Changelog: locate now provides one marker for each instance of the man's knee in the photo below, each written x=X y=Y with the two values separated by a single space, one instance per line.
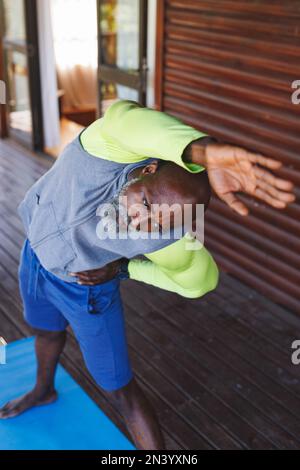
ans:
x=130 y=401
x=123 y=396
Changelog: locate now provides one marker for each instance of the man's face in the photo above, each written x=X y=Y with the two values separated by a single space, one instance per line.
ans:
x=147 y=203
x=148 y=208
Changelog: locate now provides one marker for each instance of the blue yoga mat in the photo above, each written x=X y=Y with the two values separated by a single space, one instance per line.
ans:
x=74 y=421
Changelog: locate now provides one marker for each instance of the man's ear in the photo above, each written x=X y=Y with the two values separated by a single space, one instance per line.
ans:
x=150 y=169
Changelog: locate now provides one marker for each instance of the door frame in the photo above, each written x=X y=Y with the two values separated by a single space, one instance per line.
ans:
x=3 y=107
x=136 y=80
x=31 y=49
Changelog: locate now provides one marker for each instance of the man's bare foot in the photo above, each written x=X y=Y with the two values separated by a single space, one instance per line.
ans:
x=16 y=407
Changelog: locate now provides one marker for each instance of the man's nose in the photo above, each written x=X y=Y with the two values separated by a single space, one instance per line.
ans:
x=135 y=221
x=140 y=221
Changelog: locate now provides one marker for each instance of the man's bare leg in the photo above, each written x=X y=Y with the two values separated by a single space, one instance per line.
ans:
x=139 y=416
x=48 y=347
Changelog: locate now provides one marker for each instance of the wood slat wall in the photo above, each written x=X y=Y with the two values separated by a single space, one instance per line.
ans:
x=227 y=69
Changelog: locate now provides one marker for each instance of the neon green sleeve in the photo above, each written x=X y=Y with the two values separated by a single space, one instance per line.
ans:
x=184 y=267
x=130 y=133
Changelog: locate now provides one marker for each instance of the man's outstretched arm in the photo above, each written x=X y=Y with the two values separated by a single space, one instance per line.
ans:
x=129 y=133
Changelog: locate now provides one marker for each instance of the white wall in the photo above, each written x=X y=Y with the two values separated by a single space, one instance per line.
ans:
x=48 y=75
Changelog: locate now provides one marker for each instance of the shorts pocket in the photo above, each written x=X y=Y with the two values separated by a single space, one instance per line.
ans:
x=102 y=308
x=103 y=296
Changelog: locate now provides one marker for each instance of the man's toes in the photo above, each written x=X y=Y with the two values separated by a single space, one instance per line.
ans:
x=3 y=414
x=10 y=413
x=9 y=408
x=13 y=414
x=5 y=407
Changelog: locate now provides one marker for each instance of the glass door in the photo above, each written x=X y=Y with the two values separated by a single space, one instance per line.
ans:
x=122 y=32
x=21 y=71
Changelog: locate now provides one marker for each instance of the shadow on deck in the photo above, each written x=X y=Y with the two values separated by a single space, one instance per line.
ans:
x=217 y=370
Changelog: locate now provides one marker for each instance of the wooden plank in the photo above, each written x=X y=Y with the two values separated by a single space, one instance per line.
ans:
x=231 y=368
x=164 y=363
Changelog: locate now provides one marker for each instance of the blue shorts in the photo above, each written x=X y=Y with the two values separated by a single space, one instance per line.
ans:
x=95 y=314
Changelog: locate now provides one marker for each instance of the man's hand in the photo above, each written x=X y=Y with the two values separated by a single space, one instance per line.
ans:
x=98 y=276
x=233 y=169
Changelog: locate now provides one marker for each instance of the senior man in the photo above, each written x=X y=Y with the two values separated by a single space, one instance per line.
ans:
x=70 y=276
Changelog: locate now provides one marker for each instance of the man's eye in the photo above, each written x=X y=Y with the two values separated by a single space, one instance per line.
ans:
x=145 y=202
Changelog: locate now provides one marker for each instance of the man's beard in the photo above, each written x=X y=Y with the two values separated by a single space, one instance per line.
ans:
x=117 y=219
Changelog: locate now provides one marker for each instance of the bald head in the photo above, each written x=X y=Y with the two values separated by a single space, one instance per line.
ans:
x=173 y=184
x=165 y=183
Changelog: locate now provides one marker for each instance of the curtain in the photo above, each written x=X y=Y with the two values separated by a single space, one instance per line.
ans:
x=75 y=44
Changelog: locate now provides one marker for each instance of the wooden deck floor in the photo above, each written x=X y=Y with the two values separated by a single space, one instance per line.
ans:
x=218 y=370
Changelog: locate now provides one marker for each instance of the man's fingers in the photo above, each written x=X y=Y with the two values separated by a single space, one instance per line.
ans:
x=89 y=283
x=276 y=193
x=85 y=282
x=264 y=161
x=85 y=273
x=94 y=280
x=273 y=180
x=86 y=277
x=264 y=196
x=235 y=204
x=91 y=276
